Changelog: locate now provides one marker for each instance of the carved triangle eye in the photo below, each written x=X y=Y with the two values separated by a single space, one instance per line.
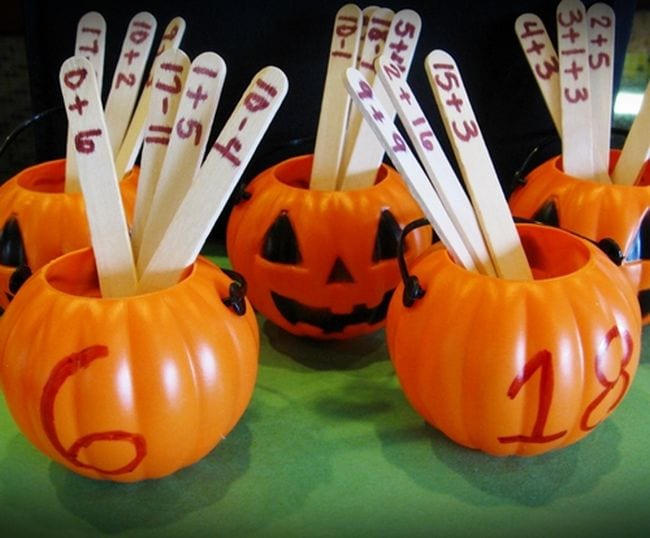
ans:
x=547 y=214
x=387 y=239
x=280 y=242
x=12 y=248
x=639 y=248
x=339 y=273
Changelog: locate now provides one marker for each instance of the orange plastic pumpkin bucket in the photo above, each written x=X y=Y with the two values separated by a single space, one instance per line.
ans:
x=321 y=264
x=596 y=211
x=39 y=221
x=133 y=388
x=517 y=367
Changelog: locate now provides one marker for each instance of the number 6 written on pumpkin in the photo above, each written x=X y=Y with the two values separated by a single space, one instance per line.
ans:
x=66 y=368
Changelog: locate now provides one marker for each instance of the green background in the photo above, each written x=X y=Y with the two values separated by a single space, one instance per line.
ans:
x=330 y=447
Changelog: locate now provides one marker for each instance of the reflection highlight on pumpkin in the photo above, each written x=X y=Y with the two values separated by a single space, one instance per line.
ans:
x=515 y=367
x=596 y=211
x=321 y=264
x=114 y=396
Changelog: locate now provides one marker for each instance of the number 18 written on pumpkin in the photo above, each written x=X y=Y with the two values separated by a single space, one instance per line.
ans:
x=542 y=362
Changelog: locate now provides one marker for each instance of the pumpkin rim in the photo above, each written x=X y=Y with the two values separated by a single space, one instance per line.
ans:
x=587 y=250
x=279 y=176
x=25 y=178
x=45 y=274
x=50 y=174
x=556 y=165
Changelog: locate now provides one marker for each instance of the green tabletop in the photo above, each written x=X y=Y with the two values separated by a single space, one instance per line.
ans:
x=329 y=446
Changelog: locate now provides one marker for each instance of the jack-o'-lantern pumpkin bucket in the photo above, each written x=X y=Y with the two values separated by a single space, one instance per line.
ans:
x=129 y=388
x=39 y=221
x=321 y=264
x=516 y=367
x=594 y=210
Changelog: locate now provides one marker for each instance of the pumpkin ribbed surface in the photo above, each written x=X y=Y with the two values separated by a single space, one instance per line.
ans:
x=131 y=388
x=518 y=367
x=330 y=279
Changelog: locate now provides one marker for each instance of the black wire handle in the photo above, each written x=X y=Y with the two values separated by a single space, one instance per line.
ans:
x=609 y=246
x=412 y=288
x=25 y=124
x=236 y=299
x=519 y=177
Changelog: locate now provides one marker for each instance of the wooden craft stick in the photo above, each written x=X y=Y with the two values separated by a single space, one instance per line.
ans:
x=397 y=149
x=478 y=171
x=128 y=76
x=168 y=80
x=186 y=148
x=130 y=146
x=367 y=153
x=106 y=219
x=334 y=110
x=542 y=59
x=435 y=163
x=183 y=239
x=376 y=22
x=636 y=149
x=577 y=125
x=90 y=44
x=373 y=46
x=366 y=13
x=600 y=33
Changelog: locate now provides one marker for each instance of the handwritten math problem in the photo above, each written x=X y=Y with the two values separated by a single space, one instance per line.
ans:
x=128 y=76
x=542 y=59
x=132 y=141
x=573 y=49
x=213 y=183
x=364 y=153
x=168 y=77
x=106 y=218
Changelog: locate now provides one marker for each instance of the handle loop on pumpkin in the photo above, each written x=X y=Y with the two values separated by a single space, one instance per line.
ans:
x=609 y=246
x=412 y=288
x=25 y=124
x=236 y=299
x=550 y=145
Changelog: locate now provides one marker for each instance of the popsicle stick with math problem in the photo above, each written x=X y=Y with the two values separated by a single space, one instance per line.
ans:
x=636 y=149
x=182 y=240
x=367 y=153
x=128 y=76
x=543 y=61
x=366 y=12
x=188 y=140
x=373 y=45
x=481 y=180
x=377 y=117
x=168 y=80
x=132 y=142
x=90 y=43
x=106 y=218
x=600 y=35
x=333 y=118
x=577 y=125
x=435 y=163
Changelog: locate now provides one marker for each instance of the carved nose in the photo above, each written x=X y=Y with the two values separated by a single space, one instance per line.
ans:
x=339 y=273
x=12 y=249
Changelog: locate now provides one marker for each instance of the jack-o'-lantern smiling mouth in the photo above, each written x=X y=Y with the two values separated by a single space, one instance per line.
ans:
x=329 y=322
